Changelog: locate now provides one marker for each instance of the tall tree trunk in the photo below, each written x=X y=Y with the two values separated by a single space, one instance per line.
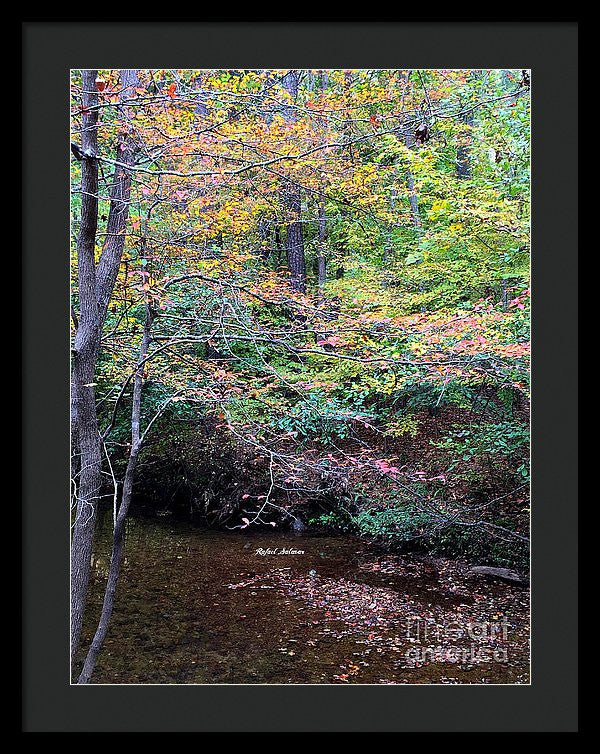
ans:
x=410 y=142
x=95 y=288
x=294 y=240
x=322 y=246
x=295 y=243
x=414 y=210
x=119 y=529
x=85 y=351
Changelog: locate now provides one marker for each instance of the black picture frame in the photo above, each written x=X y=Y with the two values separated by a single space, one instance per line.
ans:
x=51 y=48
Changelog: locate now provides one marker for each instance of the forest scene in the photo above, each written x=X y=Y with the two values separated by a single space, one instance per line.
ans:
x=300 y=370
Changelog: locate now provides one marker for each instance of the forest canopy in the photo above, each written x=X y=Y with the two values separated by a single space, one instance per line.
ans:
x=301 y=298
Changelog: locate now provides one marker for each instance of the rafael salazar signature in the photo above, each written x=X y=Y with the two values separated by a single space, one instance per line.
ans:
x=278 y=551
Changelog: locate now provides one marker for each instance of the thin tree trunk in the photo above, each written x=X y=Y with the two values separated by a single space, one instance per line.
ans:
x=201 y=106
x=463 y=151
x=112 y=251
x=322 y=246
x=321 y=263
x=410 y=141
x=347 y=124
x=389 y=247
x=414 y=201
x=414 y=206
x=119 y=529
x=292 y=200
x=278 y=245
x=322 y=249
x=412 y=192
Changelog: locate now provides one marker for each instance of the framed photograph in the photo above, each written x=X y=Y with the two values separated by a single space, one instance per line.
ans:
x=282 y=432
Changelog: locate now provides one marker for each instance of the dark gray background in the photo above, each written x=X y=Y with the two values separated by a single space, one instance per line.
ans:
x=50 y=50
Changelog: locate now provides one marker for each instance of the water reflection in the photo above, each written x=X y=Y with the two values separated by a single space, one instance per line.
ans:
x=199 y=606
